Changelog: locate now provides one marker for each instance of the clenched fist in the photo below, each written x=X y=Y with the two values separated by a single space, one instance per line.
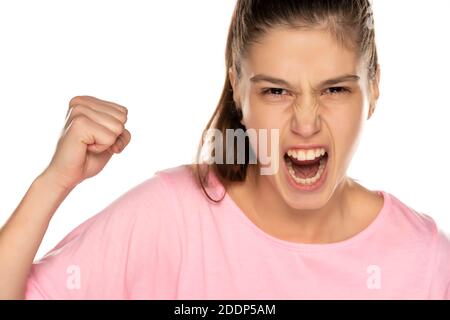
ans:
x=93 y=132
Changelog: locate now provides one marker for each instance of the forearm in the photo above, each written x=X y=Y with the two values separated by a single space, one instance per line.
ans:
x=22 y=234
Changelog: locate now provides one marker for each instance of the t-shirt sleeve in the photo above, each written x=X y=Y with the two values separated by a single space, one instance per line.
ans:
x=440 y=285
x=129 y=250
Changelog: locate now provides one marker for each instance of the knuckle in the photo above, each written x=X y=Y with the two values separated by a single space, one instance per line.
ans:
x=77 y=100
x=121 y=107
x=78 y=108
x=75 y=110
x=123 y=118
x=118 y=127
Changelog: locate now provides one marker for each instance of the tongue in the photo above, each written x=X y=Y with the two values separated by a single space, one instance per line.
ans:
x=305 y=171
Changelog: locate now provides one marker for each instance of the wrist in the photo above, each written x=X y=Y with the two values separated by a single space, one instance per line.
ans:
x=51 y=182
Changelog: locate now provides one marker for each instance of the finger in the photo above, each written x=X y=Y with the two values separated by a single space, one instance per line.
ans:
x=115 y=105
x=122 y=141
x=120 y=116
x=125 y=137
x=89 y=100
x=101 y=118
x=92 y=135
x=100 y=106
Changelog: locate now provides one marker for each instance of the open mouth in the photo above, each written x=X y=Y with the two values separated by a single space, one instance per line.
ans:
x=306 y=167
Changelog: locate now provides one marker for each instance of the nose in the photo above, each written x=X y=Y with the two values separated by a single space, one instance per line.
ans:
x=305 y=118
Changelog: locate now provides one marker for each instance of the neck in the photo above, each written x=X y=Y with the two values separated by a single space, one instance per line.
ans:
x=321 y=225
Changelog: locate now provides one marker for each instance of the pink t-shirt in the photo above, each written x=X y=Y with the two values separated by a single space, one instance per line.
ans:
x=163 y=239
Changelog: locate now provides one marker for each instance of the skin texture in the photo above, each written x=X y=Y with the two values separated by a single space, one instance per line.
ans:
x=306 y=113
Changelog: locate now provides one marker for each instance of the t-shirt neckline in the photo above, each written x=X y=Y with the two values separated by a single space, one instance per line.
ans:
x=374 y=225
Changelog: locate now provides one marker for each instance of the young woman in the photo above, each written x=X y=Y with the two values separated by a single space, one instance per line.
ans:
x=304 y=69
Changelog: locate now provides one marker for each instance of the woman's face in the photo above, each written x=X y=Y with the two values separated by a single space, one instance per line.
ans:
x=322 y=106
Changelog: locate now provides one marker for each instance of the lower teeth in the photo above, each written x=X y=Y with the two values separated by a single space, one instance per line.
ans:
x=307 y=181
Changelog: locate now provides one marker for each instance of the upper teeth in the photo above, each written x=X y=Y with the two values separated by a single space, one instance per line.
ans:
x=306 y=154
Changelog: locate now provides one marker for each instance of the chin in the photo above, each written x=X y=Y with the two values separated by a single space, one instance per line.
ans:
x=305 y=197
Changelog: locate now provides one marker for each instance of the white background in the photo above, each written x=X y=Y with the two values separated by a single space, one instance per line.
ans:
x=164 y=60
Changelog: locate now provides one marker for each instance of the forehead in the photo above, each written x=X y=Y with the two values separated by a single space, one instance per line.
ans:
x=295 y=53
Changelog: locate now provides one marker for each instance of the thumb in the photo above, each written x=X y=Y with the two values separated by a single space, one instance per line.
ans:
x=99 y=148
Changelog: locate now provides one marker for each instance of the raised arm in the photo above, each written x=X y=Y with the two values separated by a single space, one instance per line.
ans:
x=93 y=132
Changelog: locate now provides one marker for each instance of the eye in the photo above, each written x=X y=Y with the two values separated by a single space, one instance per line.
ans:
x=273 y=92
x=337 y=90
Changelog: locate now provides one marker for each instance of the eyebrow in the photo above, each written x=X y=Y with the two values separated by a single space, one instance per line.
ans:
x=328 y=82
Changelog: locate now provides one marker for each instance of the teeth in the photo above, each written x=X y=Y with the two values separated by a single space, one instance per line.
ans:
x=318 y=153
x=310 y=155
x=303 y=155
x=307 y=181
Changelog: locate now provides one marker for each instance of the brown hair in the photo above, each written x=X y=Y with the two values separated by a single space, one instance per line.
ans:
x=350 y=21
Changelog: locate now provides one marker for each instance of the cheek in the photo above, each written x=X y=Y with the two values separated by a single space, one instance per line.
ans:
x=272 y=118
x=345 y=124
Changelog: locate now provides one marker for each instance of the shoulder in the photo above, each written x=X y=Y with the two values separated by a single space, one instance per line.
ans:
x=115 y=242
x=182 y=176
x=410 y=219
x=400 y=219
x=183 y=182
x=158 y=188
x=147 y=202
x=440 y=284
x=423 y=233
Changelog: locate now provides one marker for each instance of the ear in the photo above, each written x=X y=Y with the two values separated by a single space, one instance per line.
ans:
x=374 y=92
x=233 y=81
